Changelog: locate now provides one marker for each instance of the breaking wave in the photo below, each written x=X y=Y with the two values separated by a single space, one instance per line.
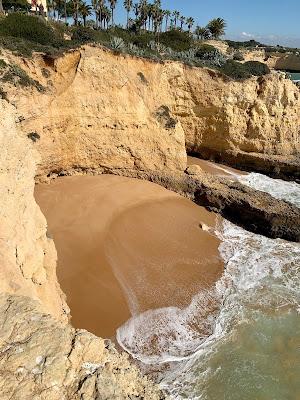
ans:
x=260 y=288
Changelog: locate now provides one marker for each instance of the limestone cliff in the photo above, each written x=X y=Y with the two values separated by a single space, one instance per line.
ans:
x=106 y=111
x=103 y=112
x=27 y=255
x=288 y=62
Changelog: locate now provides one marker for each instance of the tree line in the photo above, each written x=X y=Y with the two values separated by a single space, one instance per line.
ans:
x=140 y=16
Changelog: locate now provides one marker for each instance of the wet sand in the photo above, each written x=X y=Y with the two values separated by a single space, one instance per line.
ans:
x=214 y=168
x=126 y=246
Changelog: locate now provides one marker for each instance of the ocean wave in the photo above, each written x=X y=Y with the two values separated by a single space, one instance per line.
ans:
x=261 y=280
x=283 y=190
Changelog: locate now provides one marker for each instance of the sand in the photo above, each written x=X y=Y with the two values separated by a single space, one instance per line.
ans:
x=215 y=169
x=126 y=246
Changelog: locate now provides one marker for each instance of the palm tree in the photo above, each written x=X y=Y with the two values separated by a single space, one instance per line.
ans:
x=106 y=16
x=143 y=13
x=190 y=22
x=167 y=16
x=182 y=21
x=51 y=6
x=75 y=5
x=176 y=15
x=202 y=33
x=217 y=27
x=150 y=15
x=128 y=7
x=136 y=10
x=157 y=16
x=85 y=10
x=112 y=8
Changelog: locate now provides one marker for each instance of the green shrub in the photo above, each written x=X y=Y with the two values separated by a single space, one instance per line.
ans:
x=177 y=40
x=2 y=64
x=250 y=43
x=143 y=39
x=237 y=70
x=204 y=49
x=18 y=5
x=34 y=136
x=82 y=34
x=3 y=94
x=257 y=68
x=27 y=27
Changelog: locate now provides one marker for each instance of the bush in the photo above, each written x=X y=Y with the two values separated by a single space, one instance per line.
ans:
x=211 y=56
x=117 y=43
x=2 y=64
x=27 y=27
x=257 y=68
x=205 y=49
x=18 y=5
x=142 y=39
x=250 y=43
x=176 y=40
x=82 y=34
x=237 y=70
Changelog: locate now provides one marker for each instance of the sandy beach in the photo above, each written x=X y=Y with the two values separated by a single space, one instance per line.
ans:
x=126 y=246
x=214 y=168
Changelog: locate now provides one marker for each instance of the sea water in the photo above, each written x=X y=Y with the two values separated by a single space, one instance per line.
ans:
x=295 y=76
x=241 y=339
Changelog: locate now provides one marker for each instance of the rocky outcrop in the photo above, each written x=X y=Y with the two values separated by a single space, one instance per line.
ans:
x=255 y=211
x=275 y=60
x=224 y=122
x=43 y=359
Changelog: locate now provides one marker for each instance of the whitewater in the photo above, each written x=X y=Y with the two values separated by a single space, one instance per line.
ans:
x=240 y=339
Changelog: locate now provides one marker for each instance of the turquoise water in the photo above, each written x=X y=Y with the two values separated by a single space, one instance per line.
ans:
x=295 y=76
x=259 y=360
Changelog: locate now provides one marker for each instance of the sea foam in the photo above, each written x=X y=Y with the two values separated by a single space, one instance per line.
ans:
x=261 y=275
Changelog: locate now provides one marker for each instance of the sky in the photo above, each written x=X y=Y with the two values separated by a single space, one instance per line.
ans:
x=267 y=21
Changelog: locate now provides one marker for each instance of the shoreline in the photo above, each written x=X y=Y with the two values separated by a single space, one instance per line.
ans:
x=135 y=221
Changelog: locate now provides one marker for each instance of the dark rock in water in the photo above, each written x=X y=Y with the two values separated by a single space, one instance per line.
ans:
x=255 y=211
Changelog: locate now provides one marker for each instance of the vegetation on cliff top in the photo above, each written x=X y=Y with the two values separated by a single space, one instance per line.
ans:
x=153 y=33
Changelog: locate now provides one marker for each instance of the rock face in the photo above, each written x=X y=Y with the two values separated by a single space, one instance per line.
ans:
x=101 y=114
x=111 y=113
x=27 y=256
x=102 y=111
x=44 y=359
x=288 y=62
